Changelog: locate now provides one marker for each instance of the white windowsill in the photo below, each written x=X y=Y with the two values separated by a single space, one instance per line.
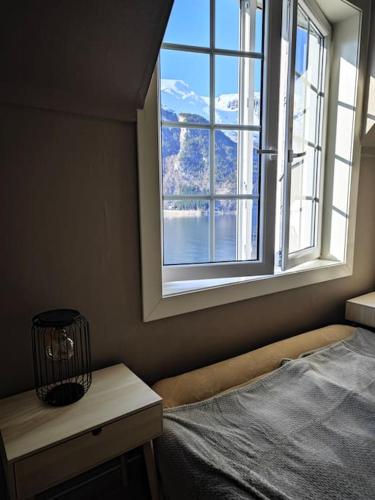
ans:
x=189 y=296
x=191 y=286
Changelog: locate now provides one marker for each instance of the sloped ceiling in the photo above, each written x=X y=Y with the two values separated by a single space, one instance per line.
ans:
x=93 y=57
x=369 y=139
x=336 y=10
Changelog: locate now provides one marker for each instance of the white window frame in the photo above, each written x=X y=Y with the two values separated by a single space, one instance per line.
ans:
x=267 y=162
x=311 y=9
x=167 y=299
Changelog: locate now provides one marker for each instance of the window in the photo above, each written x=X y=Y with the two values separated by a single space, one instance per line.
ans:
x=216 y=209
x=304 y=61
x=241 y=150
x=211 y=100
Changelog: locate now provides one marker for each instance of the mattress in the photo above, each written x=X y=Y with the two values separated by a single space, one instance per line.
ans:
x=304 y=431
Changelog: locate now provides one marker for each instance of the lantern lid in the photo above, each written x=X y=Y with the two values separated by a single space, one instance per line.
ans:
x=57 y=318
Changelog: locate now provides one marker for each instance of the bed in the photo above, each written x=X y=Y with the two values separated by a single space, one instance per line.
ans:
x=292 y=420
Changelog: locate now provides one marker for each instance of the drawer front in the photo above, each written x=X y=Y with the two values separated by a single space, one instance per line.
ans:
x=54 y=465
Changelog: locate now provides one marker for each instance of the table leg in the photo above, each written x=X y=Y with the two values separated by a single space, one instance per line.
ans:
x=148 y=453
x=124 y=471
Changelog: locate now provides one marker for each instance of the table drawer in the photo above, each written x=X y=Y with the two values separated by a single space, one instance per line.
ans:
x=59 y=463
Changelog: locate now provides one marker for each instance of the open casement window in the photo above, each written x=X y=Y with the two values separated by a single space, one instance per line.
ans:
x=236 y=141
x=218 y=109
x=218 y=125
x=306 y=36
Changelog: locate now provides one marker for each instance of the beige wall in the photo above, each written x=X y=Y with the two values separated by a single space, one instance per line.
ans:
x=70 y=238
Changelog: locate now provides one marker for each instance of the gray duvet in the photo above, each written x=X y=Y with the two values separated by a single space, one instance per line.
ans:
x=306 y=431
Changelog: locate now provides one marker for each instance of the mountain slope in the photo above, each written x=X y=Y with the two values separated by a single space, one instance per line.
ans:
x=185 y=150
x=185 y=160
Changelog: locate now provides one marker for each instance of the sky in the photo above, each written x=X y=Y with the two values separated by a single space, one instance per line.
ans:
x=190 y=24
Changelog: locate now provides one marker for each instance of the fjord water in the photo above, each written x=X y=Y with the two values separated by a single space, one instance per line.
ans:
x=186 y=239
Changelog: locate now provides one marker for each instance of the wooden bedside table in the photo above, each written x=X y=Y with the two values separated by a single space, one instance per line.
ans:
x=43 y=446
x=361 y=310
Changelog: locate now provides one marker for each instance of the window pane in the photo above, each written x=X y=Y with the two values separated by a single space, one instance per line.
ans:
x=295 y=208
x=186 y=231
x=299 y=115
x=228 y=20
x=300 y=87
x=301 y=43
x=301 y=226
x=299 y=122
x=236 y=230
x=314 y=57
x=225 y=230
x=259 y=28
x=308 y=173
x=184 y=85
x=234 y=103
x=236 y=162
x=189 y=23
x=185 y=160
x=306 y=87
x=227 y=29
x=301 y=231
x=312 y=116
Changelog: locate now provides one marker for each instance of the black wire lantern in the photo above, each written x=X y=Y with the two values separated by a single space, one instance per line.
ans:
x=62 y=357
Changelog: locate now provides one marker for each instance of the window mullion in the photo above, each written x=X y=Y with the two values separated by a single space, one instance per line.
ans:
x=212 y=203
x=211 y=50
x=246 y=112
x=207 y=196
x=212 y=132
x=219 y=126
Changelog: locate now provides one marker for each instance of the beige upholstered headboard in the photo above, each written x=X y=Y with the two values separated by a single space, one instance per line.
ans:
x=210 y=380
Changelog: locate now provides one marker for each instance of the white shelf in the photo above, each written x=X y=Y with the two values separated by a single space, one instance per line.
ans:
x=362 y=309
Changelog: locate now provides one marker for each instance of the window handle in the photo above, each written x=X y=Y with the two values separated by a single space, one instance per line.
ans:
x=292 y=156
x=271 y=152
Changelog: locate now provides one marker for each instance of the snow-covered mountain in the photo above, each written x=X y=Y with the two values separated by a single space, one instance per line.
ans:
x=185 y=161
x=177 y=95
